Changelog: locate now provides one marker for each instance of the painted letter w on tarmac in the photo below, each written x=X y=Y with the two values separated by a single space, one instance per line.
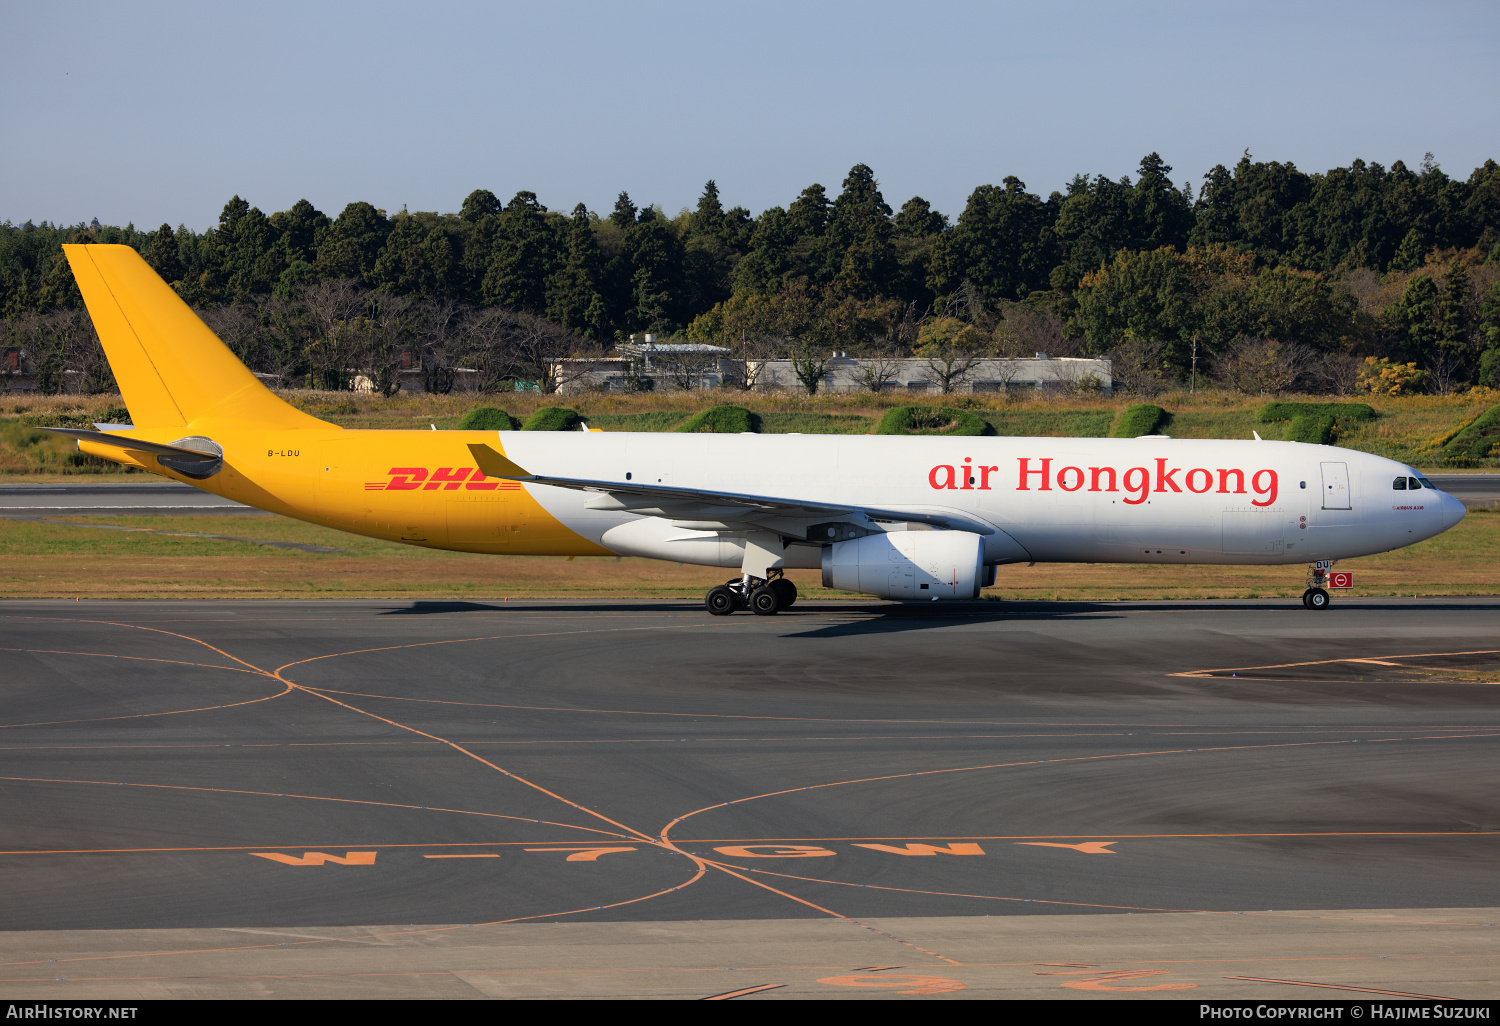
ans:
x=957 y=848
x=317 y=858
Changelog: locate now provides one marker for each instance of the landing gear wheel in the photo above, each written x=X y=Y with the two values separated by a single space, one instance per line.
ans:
x=1307 y=599
x=720 y=601
x=764 y=601
x=786 y=592
x=1317 y=598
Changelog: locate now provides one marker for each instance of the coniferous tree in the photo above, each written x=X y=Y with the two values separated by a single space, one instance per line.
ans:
x=574 y=298
x=624 y=212
x=161 y=254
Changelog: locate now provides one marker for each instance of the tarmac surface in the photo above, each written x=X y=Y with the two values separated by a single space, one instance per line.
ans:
x=111 y=498
x=1200 y=800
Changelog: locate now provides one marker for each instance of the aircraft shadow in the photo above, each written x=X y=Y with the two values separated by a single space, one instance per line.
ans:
x=884 y=618
x=430 y=607
x=895 y=618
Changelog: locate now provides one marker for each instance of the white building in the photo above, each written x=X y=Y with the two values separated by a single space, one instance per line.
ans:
x=703 y=366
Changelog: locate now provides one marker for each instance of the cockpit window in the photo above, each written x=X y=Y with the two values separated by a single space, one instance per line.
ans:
x=1426 y=483
x=1399 y=484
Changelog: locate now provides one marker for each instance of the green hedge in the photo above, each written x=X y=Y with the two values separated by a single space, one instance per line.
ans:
x=1291 y=411
x=1141 y=419
x=1314 y=428
x=488 y=418
x=723 y=420
x=1478 y=440
x=552 y=418
x=931 y=420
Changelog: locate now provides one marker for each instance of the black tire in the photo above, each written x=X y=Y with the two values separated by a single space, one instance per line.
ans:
x=720 y=601
x=764 y=601
x=786 y=592
x=1307 y=599
x=1317 y=599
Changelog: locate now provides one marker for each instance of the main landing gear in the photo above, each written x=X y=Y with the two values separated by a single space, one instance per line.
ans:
x=762 y=597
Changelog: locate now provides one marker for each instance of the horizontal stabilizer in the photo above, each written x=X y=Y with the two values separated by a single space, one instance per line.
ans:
x=194 y=457
x=126 y=442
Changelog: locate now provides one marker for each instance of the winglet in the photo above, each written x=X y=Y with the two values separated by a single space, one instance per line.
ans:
x=495 y=465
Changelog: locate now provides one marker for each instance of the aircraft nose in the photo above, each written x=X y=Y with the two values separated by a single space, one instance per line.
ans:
x=1454 y=510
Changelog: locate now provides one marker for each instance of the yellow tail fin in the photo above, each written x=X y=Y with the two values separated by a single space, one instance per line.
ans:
x=172 y=370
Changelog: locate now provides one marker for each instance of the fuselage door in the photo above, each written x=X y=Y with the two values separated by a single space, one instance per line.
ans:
x=1336 y=486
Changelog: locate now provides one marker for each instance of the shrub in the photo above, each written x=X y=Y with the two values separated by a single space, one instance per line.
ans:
x=931 y=420
x=1291 y=411
x=723 y=420
x=1489 y=368
x=1387 y=376
x=1476 y=441
x=552 y=418
x=1141 y=419
x=488 y=418
x=1314 y=428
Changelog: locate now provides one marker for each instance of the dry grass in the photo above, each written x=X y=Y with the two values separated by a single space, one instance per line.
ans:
x=42 y=560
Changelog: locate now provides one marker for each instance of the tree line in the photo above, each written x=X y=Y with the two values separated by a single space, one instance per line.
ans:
x=1269 y=278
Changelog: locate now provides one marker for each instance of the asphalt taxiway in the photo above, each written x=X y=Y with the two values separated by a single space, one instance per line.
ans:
x=1215 y=799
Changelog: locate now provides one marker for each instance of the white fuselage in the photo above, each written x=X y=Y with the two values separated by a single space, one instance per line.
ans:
x=1143 y=500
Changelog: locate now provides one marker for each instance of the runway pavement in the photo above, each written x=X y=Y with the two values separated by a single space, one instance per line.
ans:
x=626 y=799
x=111 y=498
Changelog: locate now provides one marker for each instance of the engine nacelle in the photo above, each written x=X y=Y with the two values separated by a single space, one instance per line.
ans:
x=908 y=565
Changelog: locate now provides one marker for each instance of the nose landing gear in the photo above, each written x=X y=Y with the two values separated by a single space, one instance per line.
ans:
x=1316 y=595
x=760 y=596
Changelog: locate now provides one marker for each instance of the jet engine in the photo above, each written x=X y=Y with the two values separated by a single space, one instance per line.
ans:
x=908 y=565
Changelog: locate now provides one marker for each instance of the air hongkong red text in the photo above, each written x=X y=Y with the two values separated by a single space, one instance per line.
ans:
x=1137 y=483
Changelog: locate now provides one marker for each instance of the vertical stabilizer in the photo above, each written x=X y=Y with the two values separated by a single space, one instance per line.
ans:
x=172 y=370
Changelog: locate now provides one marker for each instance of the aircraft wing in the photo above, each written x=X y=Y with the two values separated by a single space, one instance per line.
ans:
x=701 y=504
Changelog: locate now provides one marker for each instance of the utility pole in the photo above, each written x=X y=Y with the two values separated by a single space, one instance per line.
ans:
x=1193 y=388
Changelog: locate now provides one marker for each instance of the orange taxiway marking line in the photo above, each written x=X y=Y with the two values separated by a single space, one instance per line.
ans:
x=701 y=863
x=677 y=970
x=700 y=867
x=308 y=797
x=584 y=845
x=137 y=659
x=1057 y=761
x=642 y=740
x=374 y=936
x=742 y=992
x=1338 y=986
x=1325 y=662
x=1126 y=908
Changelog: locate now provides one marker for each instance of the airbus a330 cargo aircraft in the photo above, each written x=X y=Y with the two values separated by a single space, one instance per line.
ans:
x=913 y=518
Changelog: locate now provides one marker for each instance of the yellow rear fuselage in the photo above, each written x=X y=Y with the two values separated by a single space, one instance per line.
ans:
x=415 y=487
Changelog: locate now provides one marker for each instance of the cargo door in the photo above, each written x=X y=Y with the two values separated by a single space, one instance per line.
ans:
x=1254 y=532
x=482 y=520
x=1336 y=486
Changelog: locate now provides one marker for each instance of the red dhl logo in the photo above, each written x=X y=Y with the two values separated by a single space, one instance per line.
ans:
x=1136 y=481
x=449 y=479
